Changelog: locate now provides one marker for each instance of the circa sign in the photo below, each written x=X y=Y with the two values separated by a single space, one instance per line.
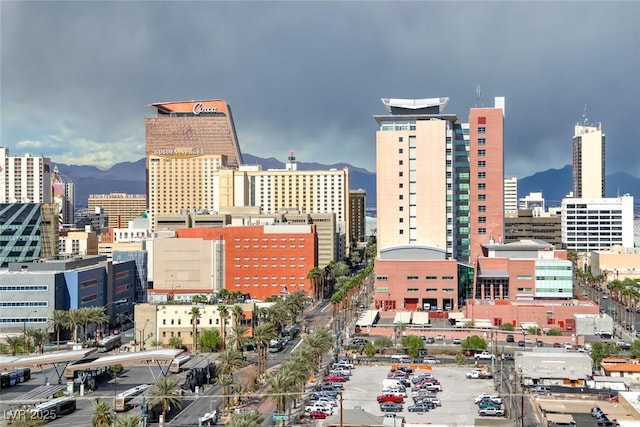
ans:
x=199 y=108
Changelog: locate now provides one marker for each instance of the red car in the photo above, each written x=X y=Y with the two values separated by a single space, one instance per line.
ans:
x=390 y=398
x=317 y=415
x=334 y=379
x=398 y=375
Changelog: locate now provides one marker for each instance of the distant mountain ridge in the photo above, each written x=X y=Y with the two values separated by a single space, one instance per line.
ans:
x=129 y=177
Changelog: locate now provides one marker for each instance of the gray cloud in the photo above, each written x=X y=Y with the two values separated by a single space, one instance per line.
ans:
x=76 y=77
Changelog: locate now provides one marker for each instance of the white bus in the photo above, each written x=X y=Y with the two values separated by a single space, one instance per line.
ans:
x=122 y=401
x=177 y=364
x=109 y=343
x=54 y=408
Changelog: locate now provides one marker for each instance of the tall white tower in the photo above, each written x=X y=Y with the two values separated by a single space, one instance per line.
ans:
x=25 y=179
x=588 y=161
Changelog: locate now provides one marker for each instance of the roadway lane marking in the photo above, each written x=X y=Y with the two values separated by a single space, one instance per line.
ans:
x=296 y=346
x=325 y=307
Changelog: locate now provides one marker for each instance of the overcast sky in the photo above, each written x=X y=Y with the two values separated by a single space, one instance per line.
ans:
x=76 y=77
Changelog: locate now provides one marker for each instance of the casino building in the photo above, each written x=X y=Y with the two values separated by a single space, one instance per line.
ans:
x=185 y=142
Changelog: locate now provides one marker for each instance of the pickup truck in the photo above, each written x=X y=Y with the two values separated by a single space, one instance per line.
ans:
x=485 y=355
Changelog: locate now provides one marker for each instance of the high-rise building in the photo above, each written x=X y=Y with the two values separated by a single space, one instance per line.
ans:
x=25 y=179
x=439 y=181
x=357 y=205
x=511 y=196
x=119 y=207
x=588 y=161
x=29 y=231
x=598 y=223
x=185 y=143
x=63 y=197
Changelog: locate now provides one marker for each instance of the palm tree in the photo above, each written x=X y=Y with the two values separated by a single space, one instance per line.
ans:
x=14 y=343
x=246 y=419
x=230 y=360
x=319 y=342
x=129 y=421
x=314 y=275
x=237 y=339
x=166 y=392
x=238 y=314
x=59 y=321
x=262 y=335
x=280 y=387
x=73 y=320
x=223 y=312
x=225 y=381
x=102 y=415
x=39 y=338
x=195 y=315
x=98 y=317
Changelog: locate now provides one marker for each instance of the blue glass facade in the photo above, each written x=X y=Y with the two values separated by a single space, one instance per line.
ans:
x=19 y=232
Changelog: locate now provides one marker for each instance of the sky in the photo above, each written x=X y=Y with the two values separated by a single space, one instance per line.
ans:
x=77 y=77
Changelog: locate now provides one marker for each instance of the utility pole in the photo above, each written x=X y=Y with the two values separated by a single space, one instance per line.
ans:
x=341 y=408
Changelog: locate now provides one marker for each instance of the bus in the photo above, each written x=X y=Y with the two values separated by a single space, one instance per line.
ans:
x=177 y=364
x=109 y=343
x=122 y=401
x=14 y=376
x=54 y=408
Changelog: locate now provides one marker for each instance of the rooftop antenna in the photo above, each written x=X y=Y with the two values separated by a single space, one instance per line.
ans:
x=585 y=121
x=479 y=96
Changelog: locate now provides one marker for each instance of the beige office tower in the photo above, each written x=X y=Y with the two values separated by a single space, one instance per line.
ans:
x=119 y=207
x=588 y=161
x=181 y=183
x=511 y=196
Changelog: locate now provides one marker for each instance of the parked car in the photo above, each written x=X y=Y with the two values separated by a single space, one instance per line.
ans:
x=489 y=404
x=431 y=361
x=391 y=407
x=479 y=398
x=419 y=407
x=429 y=340
x=457 y=341
x=557 y=345
x=521 y=343
x=334 y=379
x=493 y=399
x=511 y=338
x=318 y=415
x=390 y=398
x=508 y=356
x=330 y=386
x=327 y=409
x=434 y=400
x=485 y=355
x=541 y=389
x=491 y=412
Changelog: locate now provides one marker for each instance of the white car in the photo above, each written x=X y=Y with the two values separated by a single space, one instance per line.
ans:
x=491 y=412
x=431 y=361
x=319 y=407
x=480 y=397
x=332 y=402
x=343 y=365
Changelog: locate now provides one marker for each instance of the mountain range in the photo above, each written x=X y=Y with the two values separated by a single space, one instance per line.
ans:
x=129 y=177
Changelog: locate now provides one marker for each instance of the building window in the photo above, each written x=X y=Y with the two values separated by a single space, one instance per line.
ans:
x=432 y=277
x=482 y=130
x=400 y=162
x=482 y=219
x=482 y=141
x=482 y=197
x=482 y=175
x=482 y=230
x=400 y=150
x=412 y=277
x=401 y=232
x=401 y=197
x=412 y=290
x=382 y=278
x=447 y=277
x=482 y=186
x=400 y=139
x=482 y=208
x=401 y=185
x=482 y=153
x=400 y=173
x=482 y=163
x=401 y=220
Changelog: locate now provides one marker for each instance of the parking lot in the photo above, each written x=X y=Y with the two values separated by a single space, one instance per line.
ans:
x=457 y=394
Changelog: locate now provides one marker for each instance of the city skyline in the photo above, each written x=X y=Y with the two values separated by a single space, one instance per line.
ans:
x=76 y=87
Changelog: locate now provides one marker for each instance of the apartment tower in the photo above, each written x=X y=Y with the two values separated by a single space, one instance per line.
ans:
x=588 y=161
x=25 y=179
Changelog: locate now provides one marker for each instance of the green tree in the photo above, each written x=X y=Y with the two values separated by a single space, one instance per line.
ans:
x=58 y=321
x=225 y=381
x=506 y=327
x=102 y=415
x=166 y=392
x=237 y=338
x=200 y=299
x=195 y=315
x=474 y=343
x=14 y=343
x=175 y=342
x=459 y=358
x=262 y=335
x=383 y=342
x=209 y=340
x=413 y=344
x=315 y=275
x=157 y=344
x=635 y=349
x=223 y=313
x=39 y=337
x=533 y=330
x=280 y=386
x=73 y=320
x=554 y=332
x=129 y=421
x=600 y=350
x=229 y=361
x=246 y=419
x=369 y=349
